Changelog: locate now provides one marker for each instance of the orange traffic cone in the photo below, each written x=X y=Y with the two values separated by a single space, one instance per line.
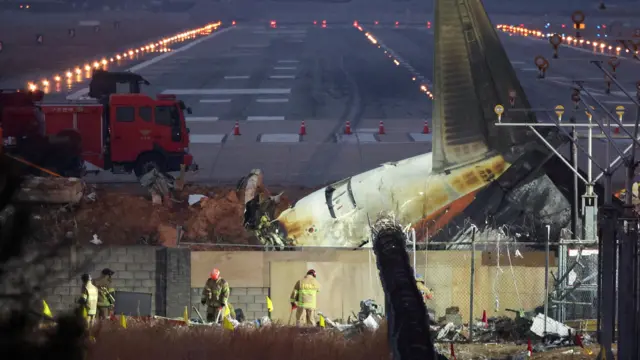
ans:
x=484 y=319
x=381 y=128
x=425 y=128
x=347 y=128
x=236 y=129
x=529 y=348
x=452 y=351
x=303 y=129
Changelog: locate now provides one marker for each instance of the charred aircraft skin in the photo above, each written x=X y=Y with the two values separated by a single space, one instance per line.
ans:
x=338 y=214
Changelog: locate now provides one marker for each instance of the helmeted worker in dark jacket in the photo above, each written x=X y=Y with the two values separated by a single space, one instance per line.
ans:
x=303 y=299
x=88 y=300
x=106 y=294
x=215 y=295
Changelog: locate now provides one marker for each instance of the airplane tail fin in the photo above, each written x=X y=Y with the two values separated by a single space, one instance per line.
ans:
x=473 y=74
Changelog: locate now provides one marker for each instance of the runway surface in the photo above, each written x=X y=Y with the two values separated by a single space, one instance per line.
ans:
x=269 y=80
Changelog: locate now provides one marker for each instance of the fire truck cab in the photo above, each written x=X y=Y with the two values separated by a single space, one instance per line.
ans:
x=120 y=132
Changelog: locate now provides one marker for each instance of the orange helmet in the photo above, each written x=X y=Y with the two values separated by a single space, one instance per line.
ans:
x=215 y=274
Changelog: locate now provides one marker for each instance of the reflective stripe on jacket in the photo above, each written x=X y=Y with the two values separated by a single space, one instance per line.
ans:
x=216 y=293
x=106 y=292
x=90 y=295
x=305 y=292
x=427 y=294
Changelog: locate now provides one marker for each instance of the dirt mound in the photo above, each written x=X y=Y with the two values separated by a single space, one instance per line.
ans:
x=126 y=216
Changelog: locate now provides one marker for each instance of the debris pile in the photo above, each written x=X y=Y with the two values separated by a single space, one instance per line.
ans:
x=368 y=319
x=525 y=327
x=157 y=214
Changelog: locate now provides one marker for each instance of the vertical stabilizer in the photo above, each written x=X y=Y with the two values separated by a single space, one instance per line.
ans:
x=472 y=74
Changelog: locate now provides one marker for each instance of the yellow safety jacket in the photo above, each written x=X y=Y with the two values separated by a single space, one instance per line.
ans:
x=305 y=292
x=427 y=294
x=106 y=292
x=90 y=295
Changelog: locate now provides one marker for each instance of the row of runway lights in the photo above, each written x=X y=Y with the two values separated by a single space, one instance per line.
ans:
x=569 y=40
x=70 y=75
x=346 y=131
x=396 y=60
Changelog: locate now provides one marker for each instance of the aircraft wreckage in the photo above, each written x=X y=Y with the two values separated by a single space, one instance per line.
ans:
x=477 y=172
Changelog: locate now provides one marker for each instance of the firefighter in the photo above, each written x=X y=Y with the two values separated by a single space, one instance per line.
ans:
x=106 y=294
x=427 y=293
x=303 y=299
x=215 y=295
x=88 y=300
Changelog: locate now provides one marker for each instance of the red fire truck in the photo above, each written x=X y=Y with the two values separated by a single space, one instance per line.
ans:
x=119 y=132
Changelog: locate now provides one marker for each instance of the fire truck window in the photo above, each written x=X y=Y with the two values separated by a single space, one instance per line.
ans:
x=125 y=114
x=167 y=115
x=145 y=113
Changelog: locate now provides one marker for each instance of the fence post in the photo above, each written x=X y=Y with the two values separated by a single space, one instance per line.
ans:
x=546 y=280
x=415 y=253
x=472 y=282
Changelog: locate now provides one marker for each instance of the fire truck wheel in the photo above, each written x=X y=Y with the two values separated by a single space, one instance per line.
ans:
x=147 y=162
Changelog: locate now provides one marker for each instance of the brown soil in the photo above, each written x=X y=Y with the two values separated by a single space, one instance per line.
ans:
x=127 y=216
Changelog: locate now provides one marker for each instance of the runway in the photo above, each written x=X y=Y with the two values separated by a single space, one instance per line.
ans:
x=270 y=80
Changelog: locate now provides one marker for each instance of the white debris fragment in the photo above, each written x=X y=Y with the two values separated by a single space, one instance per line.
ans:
x=371 y=323
x=95 y=240
x=519 y=254
x=445 y=331
x=553 y=327
x=91 y=197
x=195 y=198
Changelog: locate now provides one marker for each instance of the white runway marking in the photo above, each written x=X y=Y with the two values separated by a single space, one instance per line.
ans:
x=265 y=91
x=83 y=92
x=284 y=68
x=280 y=138
x=272 y=100
x=236 y=77
x=517 y=62
x=356 y=138
x=529 y=69
x=207 y=138
x=282 y=77
x=265 y=118
x=288 y=61
x=215 y=101
x=201 y=118
x=419 y=137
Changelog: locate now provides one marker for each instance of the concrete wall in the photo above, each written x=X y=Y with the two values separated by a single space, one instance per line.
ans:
x=164 y=273
x=135 y=269
x=175 y=278
x=347 y=277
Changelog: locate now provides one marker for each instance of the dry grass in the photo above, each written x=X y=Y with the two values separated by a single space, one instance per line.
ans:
x=143 y=341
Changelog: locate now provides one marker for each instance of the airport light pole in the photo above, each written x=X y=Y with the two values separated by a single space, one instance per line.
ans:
x=628 y=299
x=589 y=199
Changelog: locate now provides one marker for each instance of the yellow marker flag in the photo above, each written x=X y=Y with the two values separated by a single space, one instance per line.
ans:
x=45 y=310
x=227 y=324
x=123 y=321
x=322 y=324
x=84 y=312
x=185 y=315
x=226 y=312
x=269 y=305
